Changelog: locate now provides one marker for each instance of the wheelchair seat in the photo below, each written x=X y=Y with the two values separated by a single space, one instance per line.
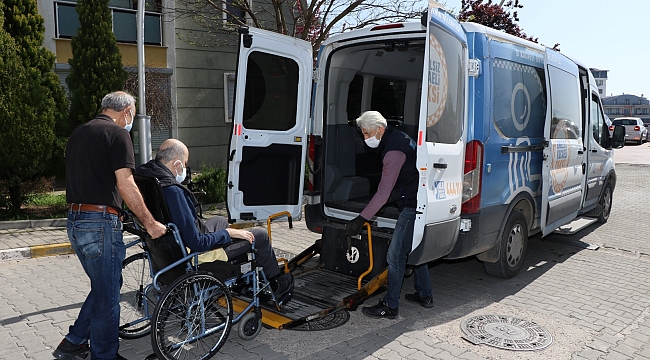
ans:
x=166 y=250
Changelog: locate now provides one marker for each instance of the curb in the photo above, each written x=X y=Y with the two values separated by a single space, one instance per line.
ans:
x=37 y=251
x=25 y=224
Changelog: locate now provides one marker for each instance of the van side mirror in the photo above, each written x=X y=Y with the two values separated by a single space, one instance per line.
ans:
x=618 y=137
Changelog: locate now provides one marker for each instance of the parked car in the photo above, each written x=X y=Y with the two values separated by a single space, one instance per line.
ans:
x=635 y=130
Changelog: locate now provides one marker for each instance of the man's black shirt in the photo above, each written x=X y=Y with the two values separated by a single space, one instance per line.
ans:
x=94 y=152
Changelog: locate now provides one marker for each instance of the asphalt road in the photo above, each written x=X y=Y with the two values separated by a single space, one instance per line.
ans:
x=590 y=291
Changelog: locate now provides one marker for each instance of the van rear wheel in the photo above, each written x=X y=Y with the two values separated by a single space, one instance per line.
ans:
x=514 y=245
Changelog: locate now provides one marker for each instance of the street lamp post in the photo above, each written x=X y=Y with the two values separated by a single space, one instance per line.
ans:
x=143 y=121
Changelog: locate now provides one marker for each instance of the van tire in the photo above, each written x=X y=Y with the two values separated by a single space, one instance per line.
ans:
x=514 y=245
x=605 y=204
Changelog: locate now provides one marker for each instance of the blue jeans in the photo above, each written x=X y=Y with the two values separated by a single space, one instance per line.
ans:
x=398 y=250
x=96 y=238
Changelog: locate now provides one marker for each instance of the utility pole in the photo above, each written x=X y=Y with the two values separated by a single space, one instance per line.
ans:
x=143 y=120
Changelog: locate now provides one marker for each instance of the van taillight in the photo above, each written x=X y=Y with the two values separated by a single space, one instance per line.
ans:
x=472 y=178
x=637 y=128
x=387 y=26
x=611 y=128
x=311 y=156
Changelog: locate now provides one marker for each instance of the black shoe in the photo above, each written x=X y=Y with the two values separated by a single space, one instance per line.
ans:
x=380 y=310
x=415 y=297
x=69 y=351
x=284 y=284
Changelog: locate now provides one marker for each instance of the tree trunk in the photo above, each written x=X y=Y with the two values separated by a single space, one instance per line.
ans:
x=15 y=196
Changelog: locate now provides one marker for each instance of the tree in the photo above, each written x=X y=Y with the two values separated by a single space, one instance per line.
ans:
x=26 y=26
x=32 y=105
x=96 y=65
x=311 y=20
x=494 y=16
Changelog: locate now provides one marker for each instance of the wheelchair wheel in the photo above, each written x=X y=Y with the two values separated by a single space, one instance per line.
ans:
x=193 y=318
x=250 y=326
x=134 y=317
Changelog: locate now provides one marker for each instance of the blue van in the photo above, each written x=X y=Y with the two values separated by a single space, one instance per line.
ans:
x=510 y=136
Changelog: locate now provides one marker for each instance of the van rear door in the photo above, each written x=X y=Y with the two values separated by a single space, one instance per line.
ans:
x=266 y=159
x=563 y=171
x=440 y=143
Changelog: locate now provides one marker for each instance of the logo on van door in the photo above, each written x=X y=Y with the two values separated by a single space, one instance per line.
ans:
x=560 y=155
x=437 y=79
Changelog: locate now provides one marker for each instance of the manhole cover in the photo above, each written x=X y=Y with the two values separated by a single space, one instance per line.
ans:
x=505 y=332
x=330 y=321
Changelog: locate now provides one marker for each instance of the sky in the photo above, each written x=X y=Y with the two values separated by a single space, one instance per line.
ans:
x=609 y=35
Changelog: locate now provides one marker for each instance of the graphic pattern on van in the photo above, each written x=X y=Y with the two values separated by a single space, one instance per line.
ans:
x=437 y=93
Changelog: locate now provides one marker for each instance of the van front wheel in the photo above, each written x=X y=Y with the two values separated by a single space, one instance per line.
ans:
x=605 y=204
x=514 y=244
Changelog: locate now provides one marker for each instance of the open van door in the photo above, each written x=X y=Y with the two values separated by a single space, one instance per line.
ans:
x=440 y=143
x=563 y=170
x=266 y=160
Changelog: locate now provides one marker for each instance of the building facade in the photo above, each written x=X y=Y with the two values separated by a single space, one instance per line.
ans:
x=601 y=80
x=199 y=80
x=627 y=105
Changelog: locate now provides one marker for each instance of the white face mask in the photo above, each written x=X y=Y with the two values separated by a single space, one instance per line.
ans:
x=372 y=142
x=128 y=126
x=180 y=177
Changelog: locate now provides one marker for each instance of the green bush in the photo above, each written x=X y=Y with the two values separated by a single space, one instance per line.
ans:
x=213 y=182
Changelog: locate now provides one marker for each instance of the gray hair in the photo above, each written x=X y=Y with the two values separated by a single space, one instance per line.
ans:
x=118 y=101
x=174 y=150
x=371 y=120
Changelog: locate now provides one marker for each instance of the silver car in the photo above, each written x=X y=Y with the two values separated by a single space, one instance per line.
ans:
x=635 y=130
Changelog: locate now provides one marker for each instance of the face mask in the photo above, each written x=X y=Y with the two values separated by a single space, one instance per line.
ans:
x=372 y=142
x=128 y=126
x=182 y=176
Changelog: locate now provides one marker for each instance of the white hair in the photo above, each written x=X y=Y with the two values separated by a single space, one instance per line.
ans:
x=371 y=120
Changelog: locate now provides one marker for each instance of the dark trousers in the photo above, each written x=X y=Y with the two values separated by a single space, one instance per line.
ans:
x=265 y=255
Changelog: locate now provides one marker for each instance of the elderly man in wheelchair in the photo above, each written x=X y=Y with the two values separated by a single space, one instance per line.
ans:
x=198 y=264
x=224 y=243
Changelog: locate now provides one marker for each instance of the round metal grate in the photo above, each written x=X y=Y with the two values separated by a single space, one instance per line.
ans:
x=505 y=332
x=330 y=321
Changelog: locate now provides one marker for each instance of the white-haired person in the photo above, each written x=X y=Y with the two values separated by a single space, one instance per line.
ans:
x=399 y=183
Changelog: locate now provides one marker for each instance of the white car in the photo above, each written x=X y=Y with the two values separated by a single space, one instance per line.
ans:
x=635 y=130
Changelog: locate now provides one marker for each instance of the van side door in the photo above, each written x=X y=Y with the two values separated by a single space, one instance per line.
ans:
x=562 y=170
x=440 y=143
x=266 y=162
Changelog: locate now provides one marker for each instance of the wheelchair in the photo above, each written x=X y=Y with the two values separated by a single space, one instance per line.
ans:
x=187 y=308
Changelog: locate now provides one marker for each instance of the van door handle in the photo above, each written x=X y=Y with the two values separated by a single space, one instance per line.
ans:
x=594 y=151
x=580 y=152
x=439 y=166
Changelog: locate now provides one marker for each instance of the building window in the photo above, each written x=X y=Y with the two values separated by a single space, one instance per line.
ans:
x=600 y=91
x=627 y=101
x=599 y=82
x=234 y=15
x=124 y=21
x=228 y=96
x=626 y=112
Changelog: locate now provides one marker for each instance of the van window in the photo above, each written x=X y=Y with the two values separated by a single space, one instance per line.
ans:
x=271 y=92
x=519 y=99
x=445 y=87
x=355 y=90
x=599 y=127
x=388 y=97
x=565 y=105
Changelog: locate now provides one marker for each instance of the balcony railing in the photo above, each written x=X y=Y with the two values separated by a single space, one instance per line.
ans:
x=124 y=23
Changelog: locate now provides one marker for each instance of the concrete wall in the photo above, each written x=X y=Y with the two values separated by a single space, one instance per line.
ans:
x=200 y=97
